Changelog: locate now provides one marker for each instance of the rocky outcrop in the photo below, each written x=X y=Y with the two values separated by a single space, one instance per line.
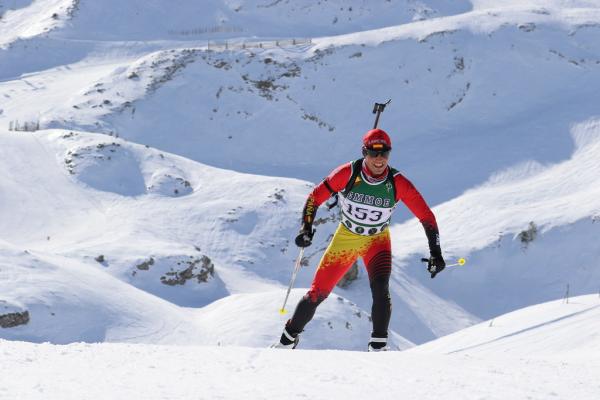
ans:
x=13 y=319
x=200 y=269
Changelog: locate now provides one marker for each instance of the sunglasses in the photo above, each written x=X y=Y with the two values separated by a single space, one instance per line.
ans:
x=385 y=153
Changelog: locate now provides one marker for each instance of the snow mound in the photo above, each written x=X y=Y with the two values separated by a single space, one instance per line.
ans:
x=107 y=167
x=117 y=166
x=253 y=319
x=166 y=183
x=185 y=280
x=71 y=301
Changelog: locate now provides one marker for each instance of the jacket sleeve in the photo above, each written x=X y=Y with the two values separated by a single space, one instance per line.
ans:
x=335 y=182
x=409 y=195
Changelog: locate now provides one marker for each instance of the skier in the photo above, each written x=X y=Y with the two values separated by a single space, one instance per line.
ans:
x=368 y=191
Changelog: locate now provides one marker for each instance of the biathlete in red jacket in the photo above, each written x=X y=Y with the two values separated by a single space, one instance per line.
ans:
x=366 y=206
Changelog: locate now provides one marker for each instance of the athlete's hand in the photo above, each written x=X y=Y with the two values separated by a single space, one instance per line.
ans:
x=304 y=238
x=435 y=264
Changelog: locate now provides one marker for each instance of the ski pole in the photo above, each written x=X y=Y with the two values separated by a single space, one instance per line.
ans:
x=296 y=269
x=378 y=108
x=460 y=261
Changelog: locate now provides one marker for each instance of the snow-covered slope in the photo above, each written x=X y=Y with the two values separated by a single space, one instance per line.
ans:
x=165 y=233
x=530 y=232
x=157 y=202
x=508 y=81
x=24 y=19
x=49 y=20
x=486 y=102
x=188 y=19
x=554 y=329
x=547 y=351
x=67 y=301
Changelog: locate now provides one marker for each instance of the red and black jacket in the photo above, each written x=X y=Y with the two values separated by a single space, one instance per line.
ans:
x=405 y=191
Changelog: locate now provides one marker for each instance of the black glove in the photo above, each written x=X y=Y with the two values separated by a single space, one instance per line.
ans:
x=435 y=264
x=304 y=238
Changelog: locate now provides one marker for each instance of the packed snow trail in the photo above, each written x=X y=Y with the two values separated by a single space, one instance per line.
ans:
x=541 y=352
x=126 y=371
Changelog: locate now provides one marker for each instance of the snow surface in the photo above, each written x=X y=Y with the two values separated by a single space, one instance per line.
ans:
x=528 y=354
x=152 y=216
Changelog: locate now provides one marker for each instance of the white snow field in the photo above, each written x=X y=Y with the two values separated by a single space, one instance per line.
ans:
x=155 y=158
x=542 y=352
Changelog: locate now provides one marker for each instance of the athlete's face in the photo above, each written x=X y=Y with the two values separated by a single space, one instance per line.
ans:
x=376 y=162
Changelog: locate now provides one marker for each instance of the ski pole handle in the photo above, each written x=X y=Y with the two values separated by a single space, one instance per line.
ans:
x=376 y=118
x=296 y=269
